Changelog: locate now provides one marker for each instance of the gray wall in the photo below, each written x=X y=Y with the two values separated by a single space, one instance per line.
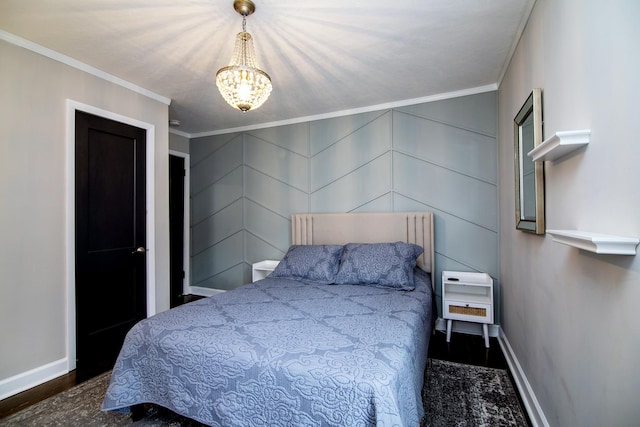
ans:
x=571 y=315
x=439 y=156
x=178 y=142
x=34 y=219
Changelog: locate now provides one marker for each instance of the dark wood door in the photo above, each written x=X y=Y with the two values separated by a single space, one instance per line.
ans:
x=176 y=228
x=110 y=230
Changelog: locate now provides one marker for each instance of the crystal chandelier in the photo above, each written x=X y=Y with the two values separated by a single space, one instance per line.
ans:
x=242 y=83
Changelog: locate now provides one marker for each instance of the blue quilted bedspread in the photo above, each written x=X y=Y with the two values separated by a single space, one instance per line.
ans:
x=283 y=353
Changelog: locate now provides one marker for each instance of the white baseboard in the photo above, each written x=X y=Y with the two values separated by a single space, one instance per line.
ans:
x=467 y=327
x=26 y=380
x=40 y=375
x=524 y=388
x=203 y=292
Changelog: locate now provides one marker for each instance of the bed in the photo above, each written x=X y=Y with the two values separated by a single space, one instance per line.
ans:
x=337 y=335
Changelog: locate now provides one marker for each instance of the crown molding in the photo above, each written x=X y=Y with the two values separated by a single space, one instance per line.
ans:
x=379 y=107
x=67 y=60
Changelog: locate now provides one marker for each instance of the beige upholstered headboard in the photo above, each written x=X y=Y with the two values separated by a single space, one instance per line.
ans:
x=342 y=228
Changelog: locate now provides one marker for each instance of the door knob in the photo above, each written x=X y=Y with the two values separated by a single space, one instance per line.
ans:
x=140 y=250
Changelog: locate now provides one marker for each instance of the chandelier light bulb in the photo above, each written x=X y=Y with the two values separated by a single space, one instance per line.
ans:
x=242 y=83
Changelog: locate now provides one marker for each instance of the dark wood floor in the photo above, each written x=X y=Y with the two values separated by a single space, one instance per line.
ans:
x=27 y=398
x=463 y=348
x=468 y=349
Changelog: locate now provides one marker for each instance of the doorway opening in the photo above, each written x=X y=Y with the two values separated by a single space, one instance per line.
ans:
x=178 y=227
x=150 y=300
x=110 y=238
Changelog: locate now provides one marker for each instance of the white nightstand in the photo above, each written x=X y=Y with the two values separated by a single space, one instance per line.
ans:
x=262 y=269
x=469 y=297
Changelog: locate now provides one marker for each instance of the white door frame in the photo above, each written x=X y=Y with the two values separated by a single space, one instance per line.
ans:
x=71 y=108
x=186 y=256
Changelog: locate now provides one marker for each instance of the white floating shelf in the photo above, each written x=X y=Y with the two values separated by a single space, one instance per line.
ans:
x=595 y=242
x=560 y=144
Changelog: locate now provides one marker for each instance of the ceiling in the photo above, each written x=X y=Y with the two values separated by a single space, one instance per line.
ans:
x=323 y=56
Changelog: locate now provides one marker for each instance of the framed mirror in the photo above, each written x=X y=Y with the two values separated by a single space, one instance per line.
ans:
x=529 y=174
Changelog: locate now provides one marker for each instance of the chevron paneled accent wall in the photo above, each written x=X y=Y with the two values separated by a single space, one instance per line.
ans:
x=439 y=156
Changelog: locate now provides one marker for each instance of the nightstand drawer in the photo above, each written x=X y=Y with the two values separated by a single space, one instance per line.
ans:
x=471 y=312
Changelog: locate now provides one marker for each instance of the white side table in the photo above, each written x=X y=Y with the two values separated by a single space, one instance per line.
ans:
x=262 y=269
x=468 y=297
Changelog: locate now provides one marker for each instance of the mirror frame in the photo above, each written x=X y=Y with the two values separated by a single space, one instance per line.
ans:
x=531 y=108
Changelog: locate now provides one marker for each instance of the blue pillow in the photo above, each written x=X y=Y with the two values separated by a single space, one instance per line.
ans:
x=317 y=263
x=379 y=264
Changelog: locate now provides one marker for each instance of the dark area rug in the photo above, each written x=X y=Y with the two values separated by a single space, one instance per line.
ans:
x=454 y=395
x=464 y=396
